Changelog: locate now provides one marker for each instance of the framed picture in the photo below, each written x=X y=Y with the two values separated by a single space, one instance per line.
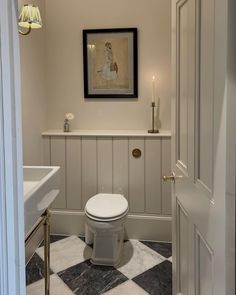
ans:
x=110 y=63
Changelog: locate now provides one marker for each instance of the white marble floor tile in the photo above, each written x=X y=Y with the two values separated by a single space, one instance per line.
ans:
x=66 y=253
x=127 y=288
x=137 y=258
x=57 y=287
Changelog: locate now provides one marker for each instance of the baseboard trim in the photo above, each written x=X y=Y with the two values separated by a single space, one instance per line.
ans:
x=142 y=227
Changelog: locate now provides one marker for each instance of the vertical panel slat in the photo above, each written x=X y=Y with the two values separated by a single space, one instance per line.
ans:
x=73 y=175
x=153 y=175
x=46 y=151
x=58 y=159
x=166 y=170
x=104 y=154
x=121 y=166
x=89 y=168
x=136 y=176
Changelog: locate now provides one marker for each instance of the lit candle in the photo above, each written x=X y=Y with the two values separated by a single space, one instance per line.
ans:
x=153 y=88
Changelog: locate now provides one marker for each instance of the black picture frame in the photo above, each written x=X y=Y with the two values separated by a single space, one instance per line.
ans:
x=110 y=61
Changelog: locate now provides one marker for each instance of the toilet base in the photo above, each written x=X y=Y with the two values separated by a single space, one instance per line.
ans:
x=107 y=239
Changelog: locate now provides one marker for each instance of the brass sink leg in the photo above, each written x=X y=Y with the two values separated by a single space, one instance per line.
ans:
x=47 y=252
x=45 y=221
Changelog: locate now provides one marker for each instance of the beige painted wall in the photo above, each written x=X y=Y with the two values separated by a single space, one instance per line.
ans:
x=64 y=64
x=34 y=108
x=52 y=68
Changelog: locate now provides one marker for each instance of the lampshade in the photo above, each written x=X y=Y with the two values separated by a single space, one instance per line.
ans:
x=30 y=17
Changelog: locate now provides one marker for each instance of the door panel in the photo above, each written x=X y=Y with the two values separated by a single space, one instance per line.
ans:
x=183 y=88
x=205 y=98
x=204 y=266
x=198 y=208
x=185 y=85
x=182 y=248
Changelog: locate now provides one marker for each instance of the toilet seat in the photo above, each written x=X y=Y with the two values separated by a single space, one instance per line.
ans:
x=106 y=219
x=106 y=207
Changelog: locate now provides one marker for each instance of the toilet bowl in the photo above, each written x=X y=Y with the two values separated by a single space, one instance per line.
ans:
x=104 y=227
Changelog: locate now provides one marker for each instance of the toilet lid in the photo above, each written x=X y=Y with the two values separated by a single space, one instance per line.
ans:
x=105 y=206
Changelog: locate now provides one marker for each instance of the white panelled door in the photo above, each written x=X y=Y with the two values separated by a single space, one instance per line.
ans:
x=197 y=151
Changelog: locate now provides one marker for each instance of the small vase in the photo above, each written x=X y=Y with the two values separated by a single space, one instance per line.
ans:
x=66 y=126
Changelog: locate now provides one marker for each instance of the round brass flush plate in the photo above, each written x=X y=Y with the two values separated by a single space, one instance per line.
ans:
x=136 y=153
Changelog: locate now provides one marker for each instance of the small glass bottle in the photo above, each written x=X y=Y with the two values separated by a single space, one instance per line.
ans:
x=66 y=126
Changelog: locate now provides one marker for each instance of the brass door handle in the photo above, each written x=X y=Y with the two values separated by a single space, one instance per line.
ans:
x=171 y=177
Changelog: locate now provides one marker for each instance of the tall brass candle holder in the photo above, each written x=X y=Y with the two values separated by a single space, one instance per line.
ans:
x=153 y=130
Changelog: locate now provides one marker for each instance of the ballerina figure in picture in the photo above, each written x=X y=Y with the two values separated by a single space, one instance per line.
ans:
x=109 y=70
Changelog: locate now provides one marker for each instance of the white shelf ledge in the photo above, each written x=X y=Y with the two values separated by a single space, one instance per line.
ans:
x=108 y=133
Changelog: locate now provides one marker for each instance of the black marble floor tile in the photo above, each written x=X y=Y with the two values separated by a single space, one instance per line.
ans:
x=54 y=238
x=88 y=279
x=157 y=280
x=34 y=270
x=165 y=249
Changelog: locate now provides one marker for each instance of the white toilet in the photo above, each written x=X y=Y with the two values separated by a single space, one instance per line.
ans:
x=104 y=227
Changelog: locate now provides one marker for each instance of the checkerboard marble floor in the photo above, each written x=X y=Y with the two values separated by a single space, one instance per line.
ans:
x=145 y=268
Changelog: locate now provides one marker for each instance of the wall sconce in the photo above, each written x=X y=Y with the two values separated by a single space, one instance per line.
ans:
x=29 y=18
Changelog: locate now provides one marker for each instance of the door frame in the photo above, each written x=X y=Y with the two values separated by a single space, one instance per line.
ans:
x=231 y=152
x=12 y=251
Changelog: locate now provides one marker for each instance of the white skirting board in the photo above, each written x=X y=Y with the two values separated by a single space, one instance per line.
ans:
x=142 y=227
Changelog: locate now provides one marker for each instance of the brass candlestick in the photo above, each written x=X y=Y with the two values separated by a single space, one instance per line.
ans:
x=153 y=130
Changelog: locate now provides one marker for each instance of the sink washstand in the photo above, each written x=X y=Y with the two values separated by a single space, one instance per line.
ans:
x=41 y=187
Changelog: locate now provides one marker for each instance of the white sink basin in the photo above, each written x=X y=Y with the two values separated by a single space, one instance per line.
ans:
x=41 y=187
